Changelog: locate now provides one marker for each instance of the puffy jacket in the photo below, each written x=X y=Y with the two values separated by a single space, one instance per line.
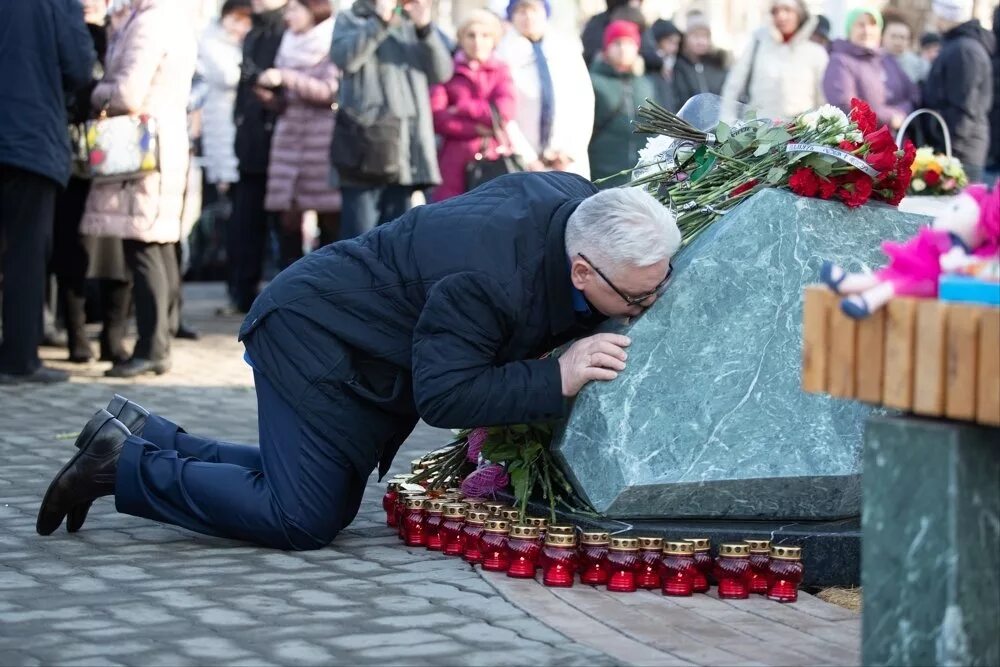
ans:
x=875 y=77
x=445 y=311
x=613 y=145
x=254 y=123
x=694 y=78
x=219 y=58
x=45 y=54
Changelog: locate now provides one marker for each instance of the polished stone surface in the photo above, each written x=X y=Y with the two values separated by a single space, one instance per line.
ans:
x=931 y=535
x=708 y=420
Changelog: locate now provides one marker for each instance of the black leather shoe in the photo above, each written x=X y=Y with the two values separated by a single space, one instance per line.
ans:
x=44 y=375
x=136 y=367
x=134 y=417
x=184 y=332
x=89 y=475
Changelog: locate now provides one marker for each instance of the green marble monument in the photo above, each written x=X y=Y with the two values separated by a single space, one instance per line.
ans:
x=708 y=420
x=931 y=543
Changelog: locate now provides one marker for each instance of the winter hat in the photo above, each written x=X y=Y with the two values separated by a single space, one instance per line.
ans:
x=858 y=12
x=798 y=5
x=621 y=30
x=663 y=28
x=956 y=11
x=697 y=20
x=512 y=5
x=929 y=39
x=822 y=26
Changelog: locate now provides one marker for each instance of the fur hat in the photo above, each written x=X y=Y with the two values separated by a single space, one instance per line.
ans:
x=956 y=11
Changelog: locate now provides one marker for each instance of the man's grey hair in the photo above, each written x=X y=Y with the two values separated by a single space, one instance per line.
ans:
x=622 y=227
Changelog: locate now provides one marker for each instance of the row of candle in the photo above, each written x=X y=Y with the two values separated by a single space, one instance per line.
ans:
x=491 y=535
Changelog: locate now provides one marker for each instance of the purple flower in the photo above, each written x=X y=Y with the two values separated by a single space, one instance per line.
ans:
x=486 y=481
x=477 y=437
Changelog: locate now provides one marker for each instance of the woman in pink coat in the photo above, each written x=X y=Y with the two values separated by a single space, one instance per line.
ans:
x=298 y=175
x=150 y=62
x=462 y=106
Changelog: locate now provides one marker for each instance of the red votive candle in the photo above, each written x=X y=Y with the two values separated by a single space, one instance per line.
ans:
x=389 y=503
x=623 y=564
x=541 y=524
x=474 y=504
x=433 y=518
x=559 y=560
x=471 y=532
x=510 y=515
x=784 y=573
x=678 y=570
x=732 y=568
x=522 y=544
x=493 y=546
x=650 y=553
x=451 y=529
x=703 y=559
x=593 y=552
x=401 y=508
x=413 y=522
x=494 y=508
x=760 y=564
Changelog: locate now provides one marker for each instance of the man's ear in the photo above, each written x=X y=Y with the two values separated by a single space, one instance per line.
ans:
x=580 y=273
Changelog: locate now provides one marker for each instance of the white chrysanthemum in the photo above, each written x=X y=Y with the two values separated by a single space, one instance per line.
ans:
x=809 y=121
x=855 y=136
x=953 y=167
x=654 y=149
x=918 y=185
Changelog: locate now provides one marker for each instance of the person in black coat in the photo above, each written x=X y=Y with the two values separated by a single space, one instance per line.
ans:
x=994 y=157
x=45 y=53
x=627 y=10
x=960 y=85
x=440 y=315
x=700 y=67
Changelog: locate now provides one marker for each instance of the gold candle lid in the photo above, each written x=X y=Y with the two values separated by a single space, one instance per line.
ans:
x=497 y=526
x=494 y=507
x=394 y=484
x=453 y=490
x=510 y=514
x=477 y=517
x=560 y=540
x=593 y=537
x=759 y=546
x=781 y=552
x=526 y=532
x=651 y=543
x=475 y=503
x=624 y=543
x=454 y=510
x=682 y=548
x=537 y=521
x=416 y=502
x=434 y=505
x=700 y=543
x=560 y=529
x=734 y=550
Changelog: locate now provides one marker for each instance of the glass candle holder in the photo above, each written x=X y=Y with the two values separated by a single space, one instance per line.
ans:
x=451 y=529
x=540 y=523
x=401 y=508
x=593 y=552
x=413 y=522
x=677 y=569
x=561 y=529
x=493 y=545
x=475 y=504
x=433 y=518
x=650 y=553
x=389 y=504
x=623 y=564
x=732 y=568
x=784 y=573
x=703 y=559
x=760 y=563
x=522 y=544
x=510 y=515
x=559 y=560
x=494 y=508
x=475 y=520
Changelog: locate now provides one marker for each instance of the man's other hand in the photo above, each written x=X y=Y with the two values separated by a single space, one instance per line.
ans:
x=598 y=357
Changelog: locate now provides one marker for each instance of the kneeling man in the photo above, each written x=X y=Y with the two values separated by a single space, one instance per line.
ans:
x=440 y=315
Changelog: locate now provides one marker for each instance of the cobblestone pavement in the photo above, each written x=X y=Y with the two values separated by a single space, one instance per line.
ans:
x=128 y=591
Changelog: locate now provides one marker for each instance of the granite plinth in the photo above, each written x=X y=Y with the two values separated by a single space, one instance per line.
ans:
x=931 y=554
x=708 y=420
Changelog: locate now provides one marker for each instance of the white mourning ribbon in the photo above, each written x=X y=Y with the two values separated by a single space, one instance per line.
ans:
x=844 y=156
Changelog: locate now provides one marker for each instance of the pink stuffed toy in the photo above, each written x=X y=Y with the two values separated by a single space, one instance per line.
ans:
x=969 y=229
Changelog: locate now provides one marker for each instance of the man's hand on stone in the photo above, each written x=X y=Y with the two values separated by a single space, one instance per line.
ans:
x=598 y=357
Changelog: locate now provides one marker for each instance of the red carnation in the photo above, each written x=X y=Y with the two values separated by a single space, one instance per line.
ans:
x=804 y=182
x=881 y=141
x=932 y=178
x=855 y=189
x=745 y=187
x=827 y=187
x=849 y=146
x=909 y=155
x=863 y=115
x=883 y=161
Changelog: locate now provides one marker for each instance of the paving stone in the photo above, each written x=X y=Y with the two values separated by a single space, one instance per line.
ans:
x=10 y=580
x=224 y=617
x=422 y=650
x=302 y=653
x=359 y=640
x=314 y=598
x=210 y=648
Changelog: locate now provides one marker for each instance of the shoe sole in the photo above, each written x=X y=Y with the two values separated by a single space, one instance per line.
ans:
x=83 y=440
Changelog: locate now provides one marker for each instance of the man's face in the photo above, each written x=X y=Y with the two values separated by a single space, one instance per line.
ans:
x=529 y=19
x=896 y=39
x=632 y=281
x=669 y=45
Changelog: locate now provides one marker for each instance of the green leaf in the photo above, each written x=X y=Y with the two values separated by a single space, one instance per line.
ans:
x=722 y=133
x=762 y=150
x=519 y=480
x=500 y=451
x=776 y=175
x=518 y=428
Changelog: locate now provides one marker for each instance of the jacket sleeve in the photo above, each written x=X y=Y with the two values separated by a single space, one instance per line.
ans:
x=960 y=76
x=76 y=47
x=355 y=40
x=319 y=90
x=504 y=96
x=448 y=122
x=457 y=382
x=433 y=55
x=573 y=124
x=142 y=51
x=822 y=63
x=737 y=80
x=839 y=84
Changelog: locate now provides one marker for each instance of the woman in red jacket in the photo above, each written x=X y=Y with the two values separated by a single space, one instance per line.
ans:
x=462 y=106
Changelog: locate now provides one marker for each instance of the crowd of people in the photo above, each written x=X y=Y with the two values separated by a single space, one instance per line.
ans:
x=288 y=107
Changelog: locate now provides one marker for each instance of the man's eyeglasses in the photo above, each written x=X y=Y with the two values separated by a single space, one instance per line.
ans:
x=632 y=300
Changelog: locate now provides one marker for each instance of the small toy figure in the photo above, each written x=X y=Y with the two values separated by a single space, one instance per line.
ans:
x=969 y=230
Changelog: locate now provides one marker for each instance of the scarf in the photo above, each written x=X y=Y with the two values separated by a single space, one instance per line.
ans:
x=299 y=51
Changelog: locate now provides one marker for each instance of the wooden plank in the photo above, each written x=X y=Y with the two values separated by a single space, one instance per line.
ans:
x=843 y=341
x=900 y=335
x=929 y=362
x=870 y=357
x=815 y=315
x=961 y=351
x=988 y=369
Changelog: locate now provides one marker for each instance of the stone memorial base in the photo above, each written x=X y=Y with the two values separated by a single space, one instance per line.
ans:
x=931 y=554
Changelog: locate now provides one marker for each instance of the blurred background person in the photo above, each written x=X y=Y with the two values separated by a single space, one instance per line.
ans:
x=897 y=41
x=464 y=107
x=298 y=173
x=627 y=10
x=821 y=35
x=930 y=47
x=46 y=54
x=620 y=86
x=781 y=72
x=858 y=68
x=960 y=85
x=555 y=100
x=701 y=68
x=148 y=70
x=667 y=38
x=993 y=161
x=388 y=61
x=255 y=111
